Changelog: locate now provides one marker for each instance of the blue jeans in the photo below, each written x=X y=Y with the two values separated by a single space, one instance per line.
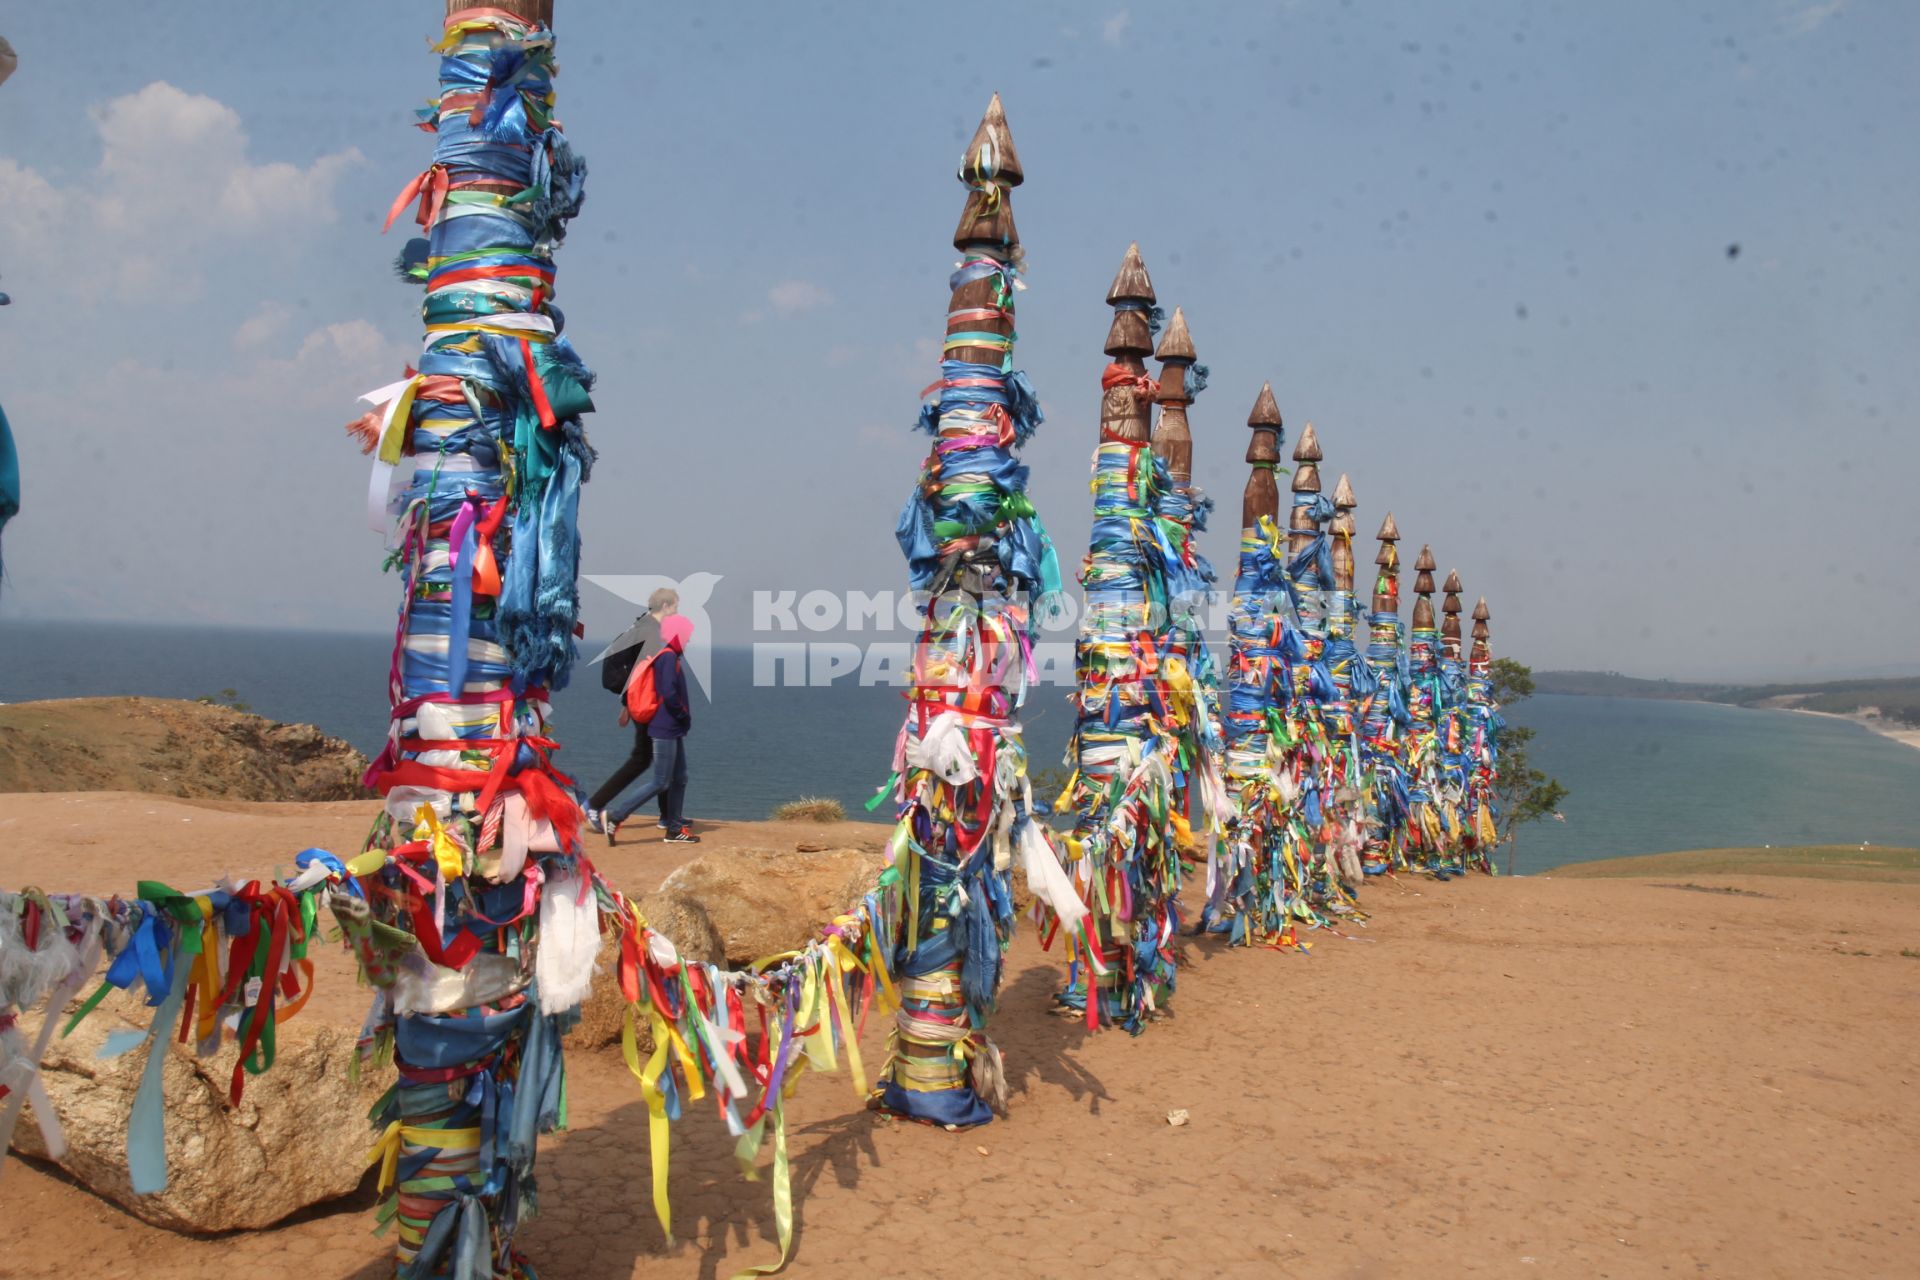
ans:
x=669 y=779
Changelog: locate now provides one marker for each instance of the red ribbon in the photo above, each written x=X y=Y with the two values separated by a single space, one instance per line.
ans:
x=273 y=910
x=538 y=388
x=1144 y=388
x=431 y=189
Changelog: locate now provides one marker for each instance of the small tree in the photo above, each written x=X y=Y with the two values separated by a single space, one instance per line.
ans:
x=1526 y=794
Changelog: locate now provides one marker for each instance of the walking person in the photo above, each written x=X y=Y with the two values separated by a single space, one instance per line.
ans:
x=667 y=726
x=638 y=643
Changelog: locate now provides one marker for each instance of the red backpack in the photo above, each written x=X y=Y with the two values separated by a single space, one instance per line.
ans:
x=642 y=697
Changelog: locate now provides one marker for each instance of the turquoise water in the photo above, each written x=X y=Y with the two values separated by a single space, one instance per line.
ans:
x=1645 y=777
x=1649 y=777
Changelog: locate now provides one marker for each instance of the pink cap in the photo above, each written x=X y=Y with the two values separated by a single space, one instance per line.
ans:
x=675 y=630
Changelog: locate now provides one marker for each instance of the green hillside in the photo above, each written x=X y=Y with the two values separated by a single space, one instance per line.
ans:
x=1897 y=700
x=1885 y=865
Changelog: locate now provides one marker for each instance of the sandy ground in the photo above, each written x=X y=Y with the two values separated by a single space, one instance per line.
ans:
x=1534 y=1077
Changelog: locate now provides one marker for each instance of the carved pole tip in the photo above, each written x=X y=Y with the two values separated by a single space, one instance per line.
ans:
x=1266 y=411
x=1131 y=283
x=1308 y=450
x=1343 y=494
x=990 y=156
x=1176 y=343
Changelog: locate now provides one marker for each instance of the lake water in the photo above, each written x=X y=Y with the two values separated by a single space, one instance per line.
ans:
x=1644 y=776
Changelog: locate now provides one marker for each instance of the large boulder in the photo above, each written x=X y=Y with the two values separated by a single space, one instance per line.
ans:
x=298 y=1137
x=764 y=902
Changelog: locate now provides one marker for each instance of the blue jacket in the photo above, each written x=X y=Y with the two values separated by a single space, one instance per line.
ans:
x=675 y=717
x=9 y=470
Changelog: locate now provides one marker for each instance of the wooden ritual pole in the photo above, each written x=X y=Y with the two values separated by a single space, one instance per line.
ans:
x=1385 y=711
x=475 y=922
x=976 y=549
x=1483 y=748
x=1345 y=816
x=1449 y=724
x=1310 y=564
x=1125 y=848
x=1173 y=434
x=1426 y=831
x=1190 y=682
x=1256 y=884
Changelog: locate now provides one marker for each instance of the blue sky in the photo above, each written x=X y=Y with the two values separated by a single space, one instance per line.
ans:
x=1481 y=246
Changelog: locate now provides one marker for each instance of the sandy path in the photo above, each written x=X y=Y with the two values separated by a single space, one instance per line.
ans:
x=1533 y=1078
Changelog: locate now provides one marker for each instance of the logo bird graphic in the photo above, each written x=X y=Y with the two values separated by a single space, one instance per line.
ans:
x=695 y=590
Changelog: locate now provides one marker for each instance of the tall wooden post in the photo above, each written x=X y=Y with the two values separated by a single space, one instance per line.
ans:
x=1304 y=521
x=1311 y=581
x=1343 y=529
x=1450 y=617
x=1450 y=723
x=1426 y=832
x=1344 y=795
x=1125 y=768
x=1423 y=567
x=1126 y=393
x=1385 y=709
x=965 y=803
x=484 y=452
x=1310 y=565
x=1261 y=499
x=1252 y=903
x=1173 y=435
x=1483 y=748
x=1190 y=684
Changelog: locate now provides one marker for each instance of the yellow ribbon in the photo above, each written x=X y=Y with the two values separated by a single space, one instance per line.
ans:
x=393 y=440
x=457 y=31
x=206 y=973
x=386 y=1148
x=659 y=1131
x=447 y=852
x=367 y=863
x=844 y=962
x=748 y=1149
x=534 y=336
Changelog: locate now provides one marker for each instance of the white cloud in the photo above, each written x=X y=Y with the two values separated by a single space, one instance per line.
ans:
x=1812 y=17
x=350 y=344
x=1115 y=27
x=790 y=297
x=174 y=175
x=166 y=150
x=262 y=327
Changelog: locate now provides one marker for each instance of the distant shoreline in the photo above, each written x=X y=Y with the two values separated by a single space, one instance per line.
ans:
x=1876 y=724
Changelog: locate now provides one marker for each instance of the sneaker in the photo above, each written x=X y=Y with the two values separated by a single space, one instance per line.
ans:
x=660 y=823
x=596 y=820
x=683 y=836
x=612 y=830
